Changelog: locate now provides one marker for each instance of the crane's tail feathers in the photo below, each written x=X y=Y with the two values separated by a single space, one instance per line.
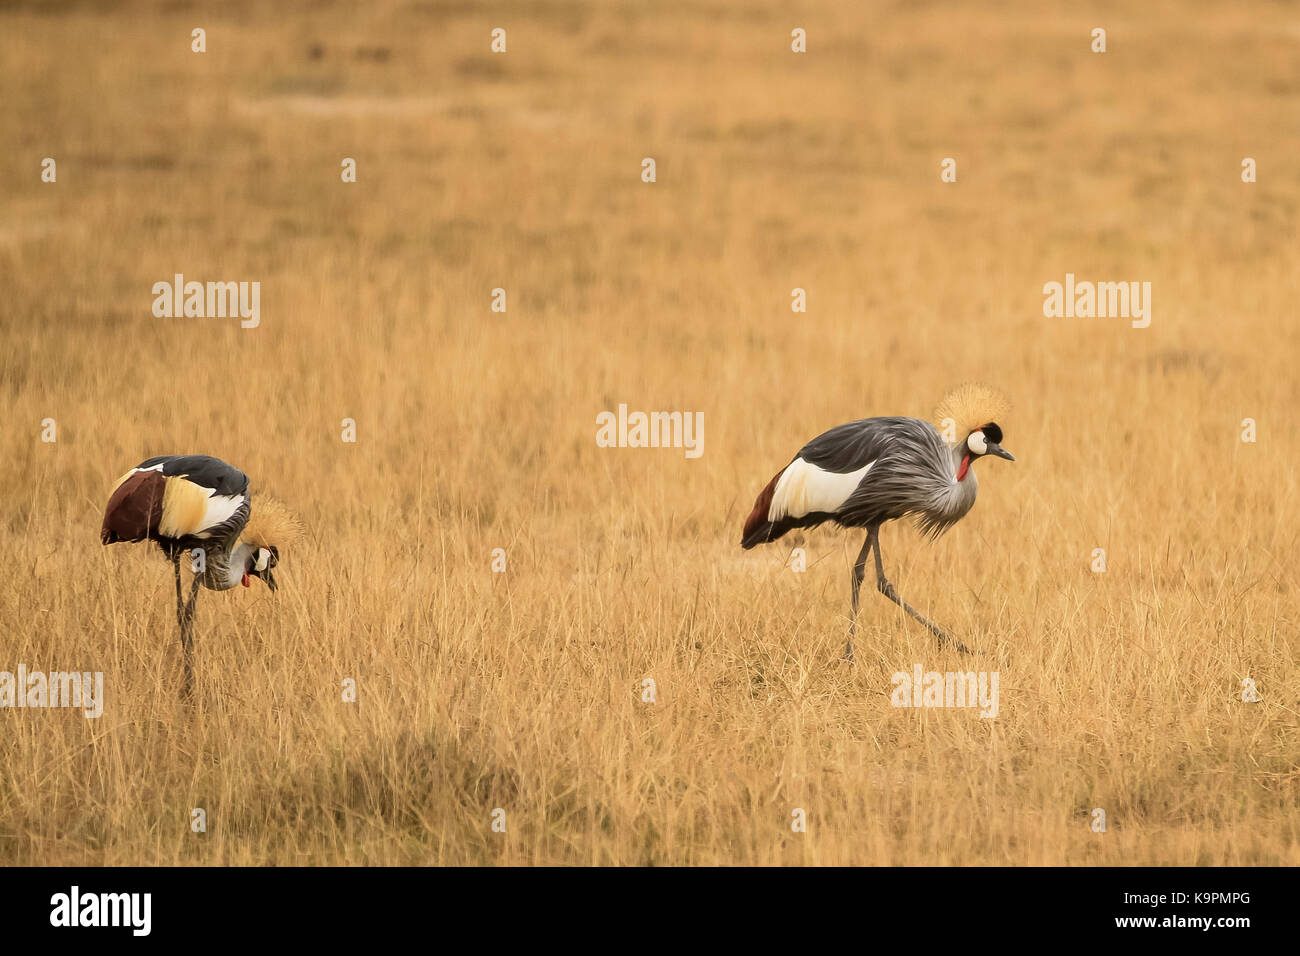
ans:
x=761 y=534
x=757 y=528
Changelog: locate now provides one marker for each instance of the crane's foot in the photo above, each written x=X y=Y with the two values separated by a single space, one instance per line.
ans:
x=946 y=638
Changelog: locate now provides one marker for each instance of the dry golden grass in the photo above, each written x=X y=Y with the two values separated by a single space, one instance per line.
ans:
x=476 y=430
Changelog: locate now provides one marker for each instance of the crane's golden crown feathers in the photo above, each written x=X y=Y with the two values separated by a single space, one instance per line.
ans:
x=970 y=406
x=271 y=524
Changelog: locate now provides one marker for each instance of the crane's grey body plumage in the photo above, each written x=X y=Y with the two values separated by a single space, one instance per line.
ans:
x=914 y=474
x=864 y=473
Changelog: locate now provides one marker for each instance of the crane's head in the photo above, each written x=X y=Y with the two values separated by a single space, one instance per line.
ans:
x=271 y=527
x=986 y=440
x=962 y=410
x=260 y=563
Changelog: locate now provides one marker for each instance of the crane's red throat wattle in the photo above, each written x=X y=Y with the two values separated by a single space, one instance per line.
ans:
x=965 y=467
x=244 y=580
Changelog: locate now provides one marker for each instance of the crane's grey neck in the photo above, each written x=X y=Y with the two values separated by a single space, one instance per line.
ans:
x=958 y=453
x=225 y=565
x=946 y=502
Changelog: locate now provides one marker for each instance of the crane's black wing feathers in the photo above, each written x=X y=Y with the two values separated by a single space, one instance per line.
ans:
x=850 y=446
x=203 y=470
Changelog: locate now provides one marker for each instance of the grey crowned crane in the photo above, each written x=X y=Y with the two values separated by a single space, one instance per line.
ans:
x=867 y=472
x=199 y=506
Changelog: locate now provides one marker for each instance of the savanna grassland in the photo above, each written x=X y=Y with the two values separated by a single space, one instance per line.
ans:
x=476 y=429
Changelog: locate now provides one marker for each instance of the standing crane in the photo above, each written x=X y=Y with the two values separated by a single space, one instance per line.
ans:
x=199 y=505
x=867 y=472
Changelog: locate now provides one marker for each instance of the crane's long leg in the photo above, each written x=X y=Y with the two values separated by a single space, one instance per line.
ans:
x=182 y=621
x=180 y=601
x=859 y=572
x=889 y=591
x=185 y=619
x=187 y=635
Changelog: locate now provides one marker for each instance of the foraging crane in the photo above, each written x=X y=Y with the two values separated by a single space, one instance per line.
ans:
x=867 y=472
x=201 y=505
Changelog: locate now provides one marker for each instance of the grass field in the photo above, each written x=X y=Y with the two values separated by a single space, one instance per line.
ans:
x=476 y=429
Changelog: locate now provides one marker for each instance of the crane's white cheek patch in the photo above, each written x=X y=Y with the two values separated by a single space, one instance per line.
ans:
x=805 y=488
x=976 y=443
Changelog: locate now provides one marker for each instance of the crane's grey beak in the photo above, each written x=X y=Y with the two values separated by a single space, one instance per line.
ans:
x=995 y=449
x=270 y=580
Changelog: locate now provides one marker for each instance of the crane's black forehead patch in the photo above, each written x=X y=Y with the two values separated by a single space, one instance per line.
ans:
x=992 y=433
